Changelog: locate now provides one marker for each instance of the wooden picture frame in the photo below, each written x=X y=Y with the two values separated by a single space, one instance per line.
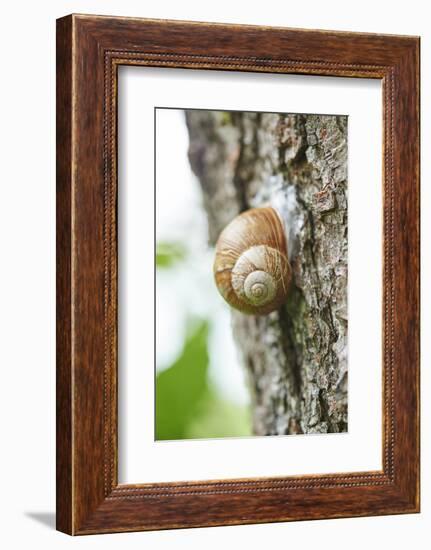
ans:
x=89 y=51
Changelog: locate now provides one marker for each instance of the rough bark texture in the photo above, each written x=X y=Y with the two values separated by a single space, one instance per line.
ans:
x=296 y=357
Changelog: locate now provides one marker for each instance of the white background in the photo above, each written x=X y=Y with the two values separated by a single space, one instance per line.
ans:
x=141 y=458
x=27 y=407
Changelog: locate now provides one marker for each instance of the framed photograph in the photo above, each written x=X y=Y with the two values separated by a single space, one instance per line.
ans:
x=237 y=274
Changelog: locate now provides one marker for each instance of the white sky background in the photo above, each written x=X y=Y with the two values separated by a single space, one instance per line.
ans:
x=188 y=288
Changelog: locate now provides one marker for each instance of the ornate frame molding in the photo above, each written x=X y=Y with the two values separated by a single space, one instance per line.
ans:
x=89 y=498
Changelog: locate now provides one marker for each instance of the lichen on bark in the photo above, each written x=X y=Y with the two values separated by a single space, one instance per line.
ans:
x=296 y=357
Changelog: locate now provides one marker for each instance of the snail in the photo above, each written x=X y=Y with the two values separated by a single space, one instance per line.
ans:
x=251 y=267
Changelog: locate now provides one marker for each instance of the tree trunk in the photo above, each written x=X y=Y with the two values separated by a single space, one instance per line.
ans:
x=296 y=357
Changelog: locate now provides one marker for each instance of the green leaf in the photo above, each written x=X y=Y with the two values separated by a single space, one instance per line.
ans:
x=220 y=418
x=180 y=388
x=168 y=254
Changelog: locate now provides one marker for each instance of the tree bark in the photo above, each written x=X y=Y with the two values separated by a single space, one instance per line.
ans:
x=296 y=357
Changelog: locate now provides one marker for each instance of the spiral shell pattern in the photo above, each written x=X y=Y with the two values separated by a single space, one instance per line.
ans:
x=251 y=267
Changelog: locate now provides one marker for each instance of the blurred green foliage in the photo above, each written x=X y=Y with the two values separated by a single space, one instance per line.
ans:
x=219 y=417
x=168 y=254
x=180 y=387
x=187 y=405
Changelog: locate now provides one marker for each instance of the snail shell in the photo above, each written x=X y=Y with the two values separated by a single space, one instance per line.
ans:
x=251 y=267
